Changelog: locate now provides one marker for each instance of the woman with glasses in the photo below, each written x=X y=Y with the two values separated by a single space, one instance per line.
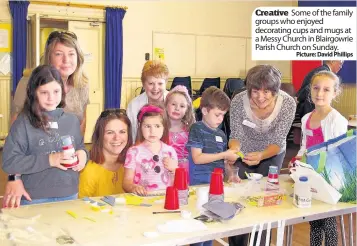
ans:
x=103 y=174
x=62 y=51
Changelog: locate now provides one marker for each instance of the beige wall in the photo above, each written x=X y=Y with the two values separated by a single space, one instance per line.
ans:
x=201 y=17
x=227 y=18
x=5 y=14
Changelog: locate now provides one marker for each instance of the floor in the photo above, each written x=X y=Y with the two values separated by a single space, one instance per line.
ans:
x=301 y=235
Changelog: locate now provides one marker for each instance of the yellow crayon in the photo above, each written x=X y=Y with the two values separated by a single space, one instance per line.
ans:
x=71 y=213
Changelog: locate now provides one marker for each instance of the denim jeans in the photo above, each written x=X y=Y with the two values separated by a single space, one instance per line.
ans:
x=47 y=200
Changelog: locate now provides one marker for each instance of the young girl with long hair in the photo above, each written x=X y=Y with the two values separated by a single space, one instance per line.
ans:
x=180 y=113
x=321 y=125
x=150 y=164
x=33 y=148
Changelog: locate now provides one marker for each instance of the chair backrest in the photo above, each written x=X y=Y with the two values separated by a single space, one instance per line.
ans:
x=207 y=82
x=233 y=84
x=236 y=92
x=185 y=81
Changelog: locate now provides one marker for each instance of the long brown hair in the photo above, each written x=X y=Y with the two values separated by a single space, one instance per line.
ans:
x=96 y=153
x=141 y=117
x=41 y=75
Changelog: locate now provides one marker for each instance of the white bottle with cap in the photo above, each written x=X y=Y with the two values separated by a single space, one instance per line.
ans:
x=302 y=193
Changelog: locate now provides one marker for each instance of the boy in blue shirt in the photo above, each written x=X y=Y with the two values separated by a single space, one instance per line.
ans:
x=207 y=144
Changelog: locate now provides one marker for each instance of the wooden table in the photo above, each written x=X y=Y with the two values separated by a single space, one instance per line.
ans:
x=126 y=225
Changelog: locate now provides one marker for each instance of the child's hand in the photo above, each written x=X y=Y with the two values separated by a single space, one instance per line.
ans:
x=231 y=155
x=56 y=159
x=14 y=190
x=82 y=158
x=139 y=190
x=170 y=164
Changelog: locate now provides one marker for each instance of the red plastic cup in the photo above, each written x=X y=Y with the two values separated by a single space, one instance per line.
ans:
x=171 y=199
x=218 y=170
x=216 y=185
x=180 y=182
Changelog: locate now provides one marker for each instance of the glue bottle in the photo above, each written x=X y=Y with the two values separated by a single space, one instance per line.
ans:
x=302 y=193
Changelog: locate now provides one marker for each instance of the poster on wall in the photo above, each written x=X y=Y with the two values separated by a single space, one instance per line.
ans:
x=5 y=64
x=159 y=54
x=5 y=37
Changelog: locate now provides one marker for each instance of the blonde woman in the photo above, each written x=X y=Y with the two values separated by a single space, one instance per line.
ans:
x=62 y=51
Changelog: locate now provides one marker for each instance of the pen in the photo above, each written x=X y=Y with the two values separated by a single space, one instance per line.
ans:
x=167 y=212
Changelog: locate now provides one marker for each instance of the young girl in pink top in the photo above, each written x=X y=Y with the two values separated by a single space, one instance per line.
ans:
x=180 y=113
x=319 y=126
x=151 y=163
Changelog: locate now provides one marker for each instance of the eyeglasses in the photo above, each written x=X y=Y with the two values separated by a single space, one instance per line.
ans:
x=116 y=112
x=60 y=34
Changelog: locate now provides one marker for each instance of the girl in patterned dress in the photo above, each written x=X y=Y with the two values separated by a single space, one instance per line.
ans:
x=180 y=113
x=151 y=163
x=321 y=125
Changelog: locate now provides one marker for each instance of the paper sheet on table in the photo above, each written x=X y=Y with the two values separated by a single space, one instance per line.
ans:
x=322 y=191
x=187 y=225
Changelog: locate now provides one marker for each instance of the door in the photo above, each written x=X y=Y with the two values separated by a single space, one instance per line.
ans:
x=34 y=42
x=90 y=37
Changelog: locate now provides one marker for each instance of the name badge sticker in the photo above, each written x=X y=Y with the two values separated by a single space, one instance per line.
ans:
x=53 y=125
x=249 y=124
x=219 y=139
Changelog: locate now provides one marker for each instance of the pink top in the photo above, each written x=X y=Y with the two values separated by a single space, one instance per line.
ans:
x=178 y=141
x=149 y=169
x=313 y=136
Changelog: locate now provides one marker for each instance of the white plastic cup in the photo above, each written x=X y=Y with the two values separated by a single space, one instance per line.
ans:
x=232 y=176
x=202 y=197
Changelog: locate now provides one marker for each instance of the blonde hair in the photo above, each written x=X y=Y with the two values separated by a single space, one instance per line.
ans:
x=77 y=79
x=155 y=69
x=189 y=117
x=330 y=75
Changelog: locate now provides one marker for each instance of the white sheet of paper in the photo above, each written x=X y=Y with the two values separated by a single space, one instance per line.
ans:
x=4 y=38
x=5 y=64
